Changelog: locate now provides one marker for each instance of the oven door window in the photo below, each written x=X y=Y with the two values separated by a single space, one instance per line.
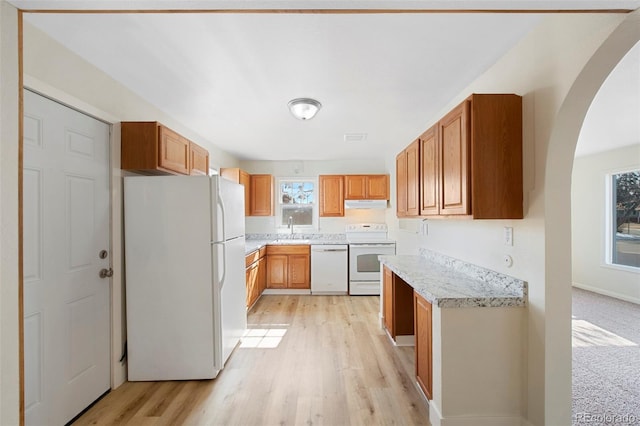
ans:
x=368 y=262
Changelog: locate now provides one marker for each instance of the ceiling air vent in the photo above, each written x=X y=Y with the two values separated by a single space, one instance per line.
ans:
x=355 y=137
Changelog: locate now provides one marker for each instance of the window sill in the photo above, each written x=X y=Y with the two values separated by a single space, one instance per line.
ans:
x=624 y=268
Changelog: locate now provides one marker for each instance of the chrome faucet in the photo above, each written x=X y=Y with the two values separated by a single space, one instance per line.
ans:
x=290 y=224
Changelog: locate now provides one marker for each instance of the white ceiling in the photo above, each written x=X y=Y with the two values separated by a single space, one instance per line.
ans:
x=228 y=77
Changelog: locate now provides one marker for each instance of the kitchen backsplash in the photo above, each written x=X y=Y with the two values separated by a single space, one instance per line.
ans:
x=295 y=236
x=327 y=225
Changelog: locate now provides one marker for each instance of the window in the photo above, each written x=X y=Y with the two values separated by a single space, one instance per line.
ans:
x=625 y=219
x=296 y=200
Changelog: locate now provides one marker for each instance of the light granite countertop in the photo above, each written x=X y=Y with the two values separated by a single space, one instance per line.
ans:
x=451 y=283
x=254 y=242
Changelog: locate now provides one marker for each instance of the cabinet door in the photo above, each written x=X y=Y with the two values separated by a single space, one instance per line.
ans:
x=199 y=160
x=299 y=271
x=423 y=335
x=377 y=187
x=262 y=275
x=413 y=193
x=331 y=195
x=387 y=299
x=173 y=152
x=261 y=189
x=429 y=173
x=401 y=184
x=245 y=179
x=277 y=271
x=252 y=284
x=454 y=157
x=355 y=187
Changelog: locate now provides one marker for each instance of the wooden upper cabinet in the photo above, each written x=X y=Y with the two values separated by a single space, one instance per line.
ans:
x=496 y=156
x=355 y=187
x=407 y=169
x=174 y=151
x=261 y=189
x=238 y=175
x=470 y=163
x=199 y=160
x=149 y=147
x=413 y=167
x=429 y=173
x=331 y=195
x=401 y=184
x=454 y=133
x=366 y=187
x=378 y=187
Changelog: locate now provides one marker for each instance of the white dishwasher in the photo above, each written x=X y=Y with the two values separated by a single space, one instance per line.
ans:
x=329 y=271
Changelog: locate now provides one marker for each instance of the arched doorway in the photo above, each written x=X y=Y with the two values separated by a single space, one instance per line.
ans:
x=559 y=163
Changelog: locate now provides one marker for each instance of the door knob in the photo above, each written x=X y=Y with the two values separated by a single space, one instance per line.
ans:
x=106 y=273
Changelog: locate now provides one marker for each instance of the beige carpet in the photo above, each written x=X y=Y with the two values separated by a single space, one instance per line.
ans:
x=606 y=360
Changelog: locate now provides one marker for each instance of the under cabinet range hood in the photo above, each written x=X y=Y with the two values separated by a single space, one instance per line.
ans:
x=365 y=204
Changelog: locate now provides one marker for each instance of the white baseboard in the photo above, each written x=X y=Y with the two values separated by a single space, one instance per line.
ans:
x=474 y=420
x=436 y=419
x=405 y=340
x=607 y=293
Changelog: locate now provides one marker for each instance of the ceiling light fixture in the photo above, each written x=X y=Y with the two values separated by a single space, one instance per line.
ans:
x=304 y=108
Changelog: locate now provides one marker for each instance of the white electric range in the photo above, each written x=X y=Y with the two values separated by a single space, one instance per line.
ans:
x=366 y=242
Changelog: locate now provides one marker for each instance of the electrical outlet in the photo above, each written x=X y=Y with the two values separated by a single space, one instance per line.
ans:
x=424 y=228
x=508 y=236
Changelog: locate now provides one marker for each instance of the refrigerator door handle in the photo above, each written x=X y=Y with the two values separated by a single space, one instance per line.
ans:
x=222 y=266
x=222 y=215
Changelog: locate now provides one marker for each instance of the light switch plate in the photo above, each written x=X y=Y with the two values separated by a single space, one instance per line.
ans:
x=508 y=236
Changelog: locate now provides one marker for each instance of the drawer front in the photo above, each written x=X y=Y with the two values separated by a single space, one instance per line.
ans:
x=263 y=251
x=289 y=249
x=252 y=257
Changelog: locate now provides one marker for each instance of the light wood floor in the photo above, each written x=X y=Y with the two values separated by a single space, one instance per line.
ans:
x=313 y=360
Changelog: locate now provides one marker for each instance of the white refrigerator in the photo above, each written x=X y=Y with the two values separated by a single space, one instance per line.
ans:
x=185 y=279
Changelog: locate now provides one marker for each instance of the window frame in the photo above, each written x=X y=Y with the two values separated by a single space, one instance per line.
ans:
x=610 y=217
x=283 y=229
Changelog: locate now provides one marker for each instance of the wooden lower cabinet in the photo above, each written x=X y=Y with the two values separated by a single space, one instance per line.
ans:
x=289 y=267
x=387 y=296
x=298 y=271
x=256 y=275
x=277 y=270
x=424 y=342
x=397 y=305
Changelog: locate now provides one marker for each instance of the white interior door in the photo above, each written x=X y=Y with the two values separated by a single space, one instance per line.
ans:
x=66 y=226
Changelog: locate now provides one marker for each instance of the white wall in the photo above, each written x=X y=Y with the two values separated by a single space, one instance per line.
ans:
x=9 y=333
x=311 y=169
x=542 y=68
x=588 y=210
